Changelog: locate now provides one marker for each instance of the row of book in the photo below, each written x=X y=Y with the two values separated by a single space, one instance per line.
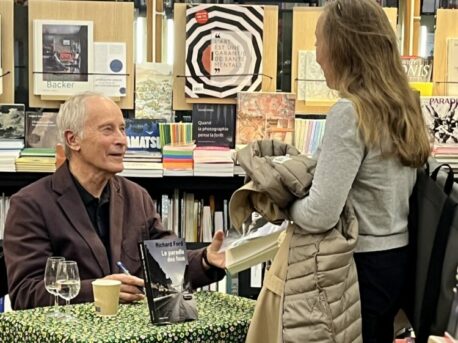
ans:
x=194 y=218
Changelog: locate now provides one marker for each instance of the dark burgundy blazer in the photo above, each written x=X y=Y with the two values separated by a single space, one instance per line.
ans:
x=48 y=218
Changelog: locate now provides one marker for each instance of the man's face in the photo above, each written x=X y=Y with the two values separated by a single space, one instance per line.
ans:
x=104 y=143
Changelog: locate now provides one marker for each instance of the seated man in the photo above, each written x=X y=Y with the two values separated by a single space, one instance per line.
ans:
x=85 y=213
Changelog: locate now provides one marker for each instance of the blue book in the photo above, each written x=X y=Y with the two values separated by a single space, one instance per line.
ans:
x=143 y=135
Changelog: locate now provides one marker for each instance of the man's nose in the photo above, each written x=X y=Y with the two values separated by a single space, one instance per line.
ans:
x=121 y=137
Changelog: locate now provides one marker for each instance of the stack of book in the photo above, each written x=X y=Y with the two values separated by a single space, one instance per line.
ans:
x=9 y=152
x=213 y=161
x=11 y=134
x=177 y=160
x=36 y=160
x=143 y=157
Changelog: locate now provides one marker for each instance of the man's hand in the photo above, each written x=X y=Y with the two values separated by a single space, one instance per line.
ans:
x=216 y=259
x=130 y=287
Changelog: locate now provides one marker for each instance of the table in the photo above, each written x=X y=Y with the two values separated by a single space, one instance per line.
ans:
x=222 y=318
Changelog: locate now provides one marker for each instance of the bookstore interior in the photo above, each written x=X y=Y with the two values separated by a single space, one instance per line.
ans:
x=198 y=83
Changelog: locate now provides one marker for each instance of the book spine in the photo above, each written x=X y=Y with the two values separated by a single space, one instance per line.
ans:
x=149 y=291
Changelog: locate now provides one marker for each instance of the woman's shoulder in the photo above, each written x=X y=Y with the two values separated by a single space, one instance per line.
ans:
x=342 y=113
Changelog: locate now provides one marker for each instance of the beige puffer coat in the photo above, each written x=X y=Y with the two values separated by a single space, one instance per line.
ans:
x=310 y=293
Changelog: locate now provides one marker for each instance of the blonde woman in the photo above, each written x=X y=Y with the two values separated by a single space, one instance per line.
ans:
x=375 y=139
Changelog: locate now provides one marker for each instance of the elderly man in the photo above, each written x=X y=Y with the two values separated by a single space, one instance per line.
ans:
x=85 y=213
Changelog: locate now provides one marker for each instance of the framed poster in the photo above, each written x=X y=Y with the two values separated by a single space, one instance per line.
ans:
x=63 y=56
x=224 y=47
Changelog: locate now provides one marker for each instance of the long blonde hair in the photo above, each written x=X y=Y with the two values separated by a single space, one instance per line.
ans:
x=367 y=69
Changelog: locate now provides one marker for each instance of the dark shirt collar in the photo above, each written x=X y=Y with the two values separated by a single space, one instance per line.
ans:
x=88 y=198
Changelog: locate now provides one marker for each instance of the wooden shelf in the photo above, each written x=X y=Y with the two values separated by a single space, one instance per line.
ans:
x=11 y=182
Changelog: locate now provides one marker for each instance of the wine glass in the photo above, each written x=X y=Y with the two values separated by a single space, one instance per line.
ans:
x=68 y=282
x=50 y=282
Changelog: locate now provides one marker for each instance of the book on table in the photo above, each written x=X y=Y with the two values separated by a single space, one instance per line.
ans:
x=164 y=265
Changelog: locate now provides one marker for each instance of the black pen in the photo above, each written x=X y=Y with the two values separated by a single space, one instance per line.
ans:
x=126 y=271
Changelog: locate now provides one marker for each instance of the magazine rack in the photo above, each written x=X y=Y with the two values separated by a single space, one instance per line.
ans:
x=304 y=24
x=269 y=58
x=112 y=22
x=446 y=27
x=7 y=51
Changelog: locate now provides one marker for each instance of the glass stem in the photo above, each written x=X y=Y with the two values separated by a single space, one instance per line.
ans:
x=56 y=303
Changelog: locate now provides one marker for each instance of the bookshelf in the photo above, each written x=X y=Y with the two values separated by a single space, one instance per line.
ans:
x=11 y=182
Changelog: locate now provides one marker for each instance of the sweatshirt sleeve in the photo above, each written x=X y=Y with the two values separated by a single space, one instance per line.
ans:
x=341 y=154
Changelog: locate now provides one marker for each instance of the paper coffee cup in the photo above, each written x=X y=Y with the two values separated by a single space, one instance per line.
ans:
x=106 y=296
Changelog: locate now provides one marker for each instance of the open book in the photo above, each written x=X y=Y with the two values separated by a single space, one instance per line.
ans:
x=254 y=247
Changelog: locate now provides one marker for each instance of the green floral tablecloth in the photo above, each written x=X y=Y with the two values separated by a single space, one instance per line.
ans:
x=222 y=318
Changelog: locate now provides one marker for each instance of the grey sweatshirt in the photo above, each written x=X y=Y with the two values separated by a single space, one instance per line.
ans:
x=379 y=188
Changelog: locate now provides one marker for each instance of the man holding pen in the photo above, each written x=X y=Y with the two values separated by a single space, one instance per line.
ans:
x=85 y=213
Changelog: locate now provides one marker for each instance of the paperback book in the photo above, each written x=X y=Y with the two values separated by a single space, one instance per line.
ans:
x=62 y=56
x=153 y=91
x=265 y=116
x=259 y=244
x=41 y=130
x=213 y=125
x=311 y=83
x=143 y=135
x=224 y=48
x=164 y=266
x=110 y=76
x=12 y=122
x=441 y=117
x=417 y=69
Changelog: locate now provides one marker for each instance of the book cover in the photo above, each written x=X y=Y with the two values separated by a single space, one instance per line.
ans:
x=110 y=76
x=143 y=135
x=311 y=83
x=12 y=121
x=224 y=47
x=213 y=125
x=62 y=56
x=265 y=116
x=164 y=265
x=153 y=91
x=41 y=130
x=441 y=117
x=417 y=69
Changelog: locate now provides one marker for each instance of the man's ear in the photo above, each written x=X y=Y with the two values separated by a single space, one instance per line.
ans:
x=72 y=140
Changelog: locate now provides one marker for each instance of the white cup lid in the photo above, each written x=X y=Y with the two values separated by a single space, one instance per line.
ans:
x=106 y=282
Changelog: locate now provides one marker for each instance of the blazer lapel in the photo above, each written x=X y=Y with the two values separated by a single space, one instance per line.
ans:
x=73 y=207
x=116 y=221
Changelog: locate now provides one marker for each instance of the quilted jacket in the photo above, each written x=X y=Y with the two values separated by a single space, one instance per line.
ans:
x=311 y=289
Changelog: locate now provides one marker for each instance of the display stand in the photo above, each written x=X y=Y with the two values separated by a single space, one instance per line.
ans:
x=7 y=48
x=154 y=28
x=446 y=27
x=269 y=60
x=304 y=24
x=113 y=22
